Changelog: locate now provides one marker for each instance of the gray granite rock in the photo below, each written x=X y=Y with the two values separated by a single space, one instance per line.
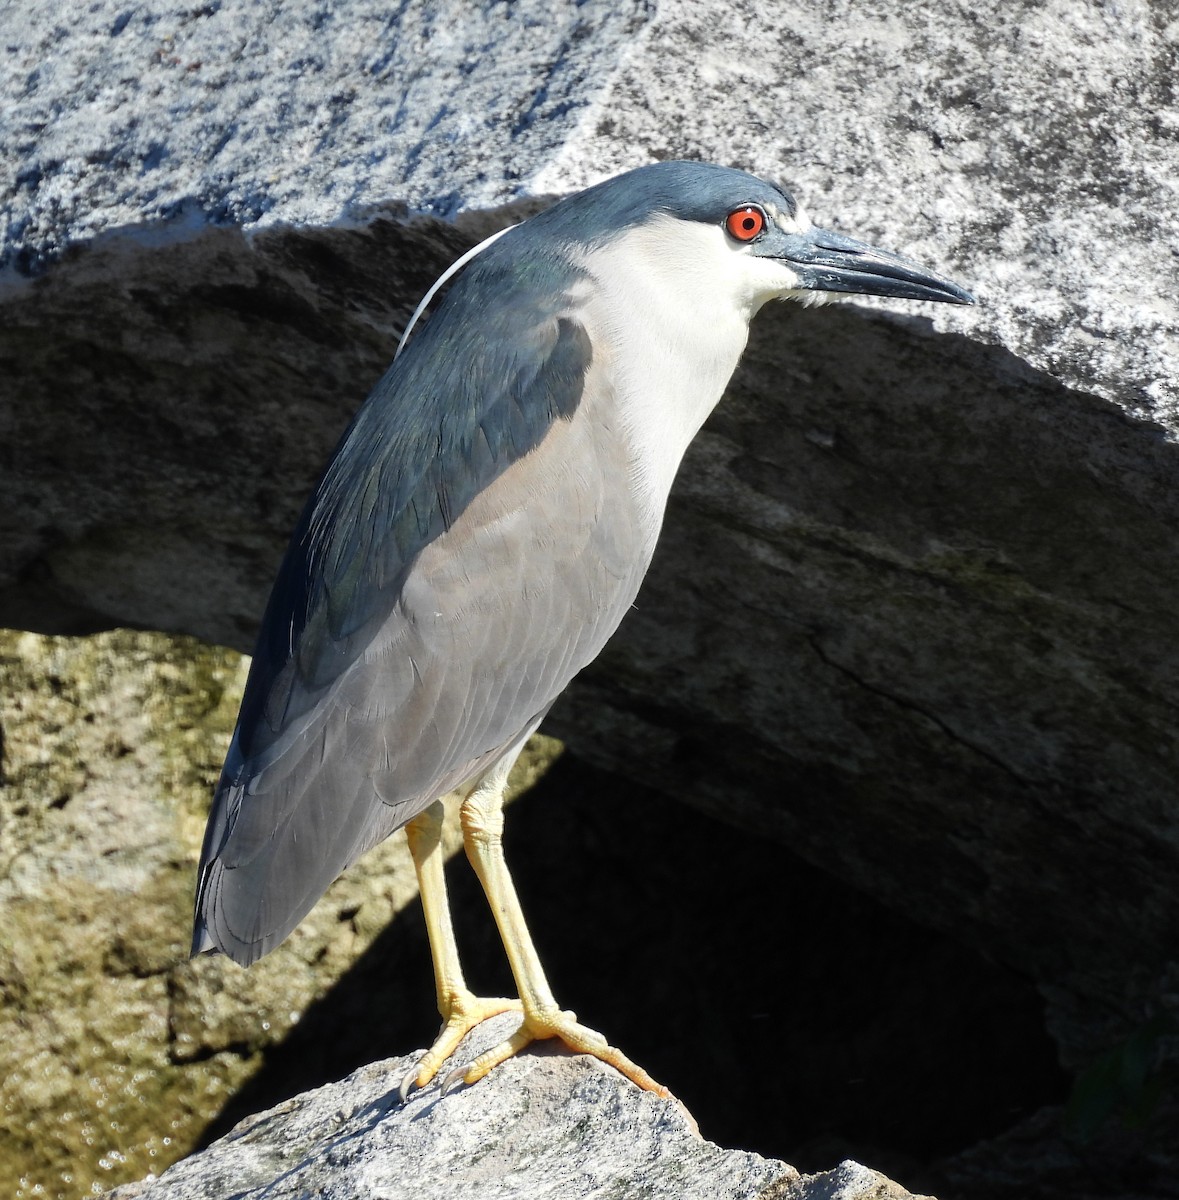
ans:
x=154 y=120
x=545 y=1125
x=1030 y=147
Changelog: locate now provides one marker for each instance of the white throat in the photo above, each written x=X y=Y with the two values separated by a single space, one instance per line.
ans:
x=668 y=314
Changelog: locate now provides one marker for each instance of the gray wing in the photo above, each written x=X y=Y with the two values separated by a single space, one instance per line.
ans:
x=469 y=549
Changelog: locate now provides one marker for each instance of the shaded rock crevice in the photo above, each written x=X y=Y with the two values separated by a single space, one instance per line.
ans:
x=906 y=703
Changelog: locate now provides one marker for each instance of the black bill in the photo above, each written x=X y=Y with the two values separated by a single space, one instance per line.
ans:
x=830 y=262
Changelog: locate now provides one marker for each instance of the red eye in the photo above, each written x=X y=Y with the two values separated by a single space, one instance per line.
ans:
x=745 y=223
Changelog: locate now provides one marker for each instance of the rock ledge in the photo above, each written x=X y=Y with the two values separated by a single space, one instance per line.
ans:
x=545 y=1125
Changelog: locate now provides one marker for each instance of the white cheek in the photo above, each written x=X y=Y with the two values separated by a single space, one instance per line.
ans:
x=772 y=279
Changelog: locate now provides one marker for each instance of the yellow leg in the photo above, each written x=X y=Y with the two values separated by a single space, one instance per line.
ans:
x=482 y=823
x=461 y=1011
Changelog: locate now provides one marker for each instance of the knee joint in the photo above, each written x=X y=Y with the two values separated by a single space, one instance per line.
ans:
x=482 y=818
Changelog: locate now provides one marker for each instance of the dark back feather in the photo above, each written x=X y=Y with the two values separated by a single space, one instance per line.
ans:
x=476 y=389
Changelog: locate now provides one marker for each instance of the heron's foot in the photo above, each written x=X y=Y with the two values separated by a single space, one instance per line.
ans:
x=537 y=1026
x=465 y=1011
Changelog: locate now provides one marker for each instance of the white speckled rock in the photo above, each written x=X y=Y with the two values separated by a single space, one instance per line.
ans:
x=544 y=1126
x=164 y=115
x=1032 y=147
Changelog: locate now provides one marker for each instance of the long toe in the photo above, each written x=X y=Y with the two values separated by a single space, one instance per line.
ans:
x=579 y=1038
x=464 y=1012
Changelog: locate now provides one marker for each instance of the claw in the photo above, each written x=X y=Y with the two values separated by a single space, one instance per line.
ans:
x=453 y=1079
x=407 y=1084
x=463 y=1013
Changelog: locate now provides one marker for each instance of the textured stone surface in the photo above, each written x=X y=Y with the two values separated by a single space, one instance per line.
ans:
x=168 y=116
x=541 y=1126
x=1031 y=145
x=115 y=1050
x=109 y=749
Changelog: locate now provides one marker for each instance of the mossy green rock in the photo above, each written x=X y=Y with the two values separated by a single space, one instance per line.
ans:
x=116 y=1050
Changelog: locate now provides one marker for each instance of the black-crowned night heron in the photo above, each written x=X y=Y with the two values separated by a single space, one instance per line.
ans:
x=479 y=533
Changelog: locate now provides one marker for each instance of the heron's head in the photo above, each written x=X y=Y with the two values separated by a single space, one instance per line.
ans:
x=695 y=225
